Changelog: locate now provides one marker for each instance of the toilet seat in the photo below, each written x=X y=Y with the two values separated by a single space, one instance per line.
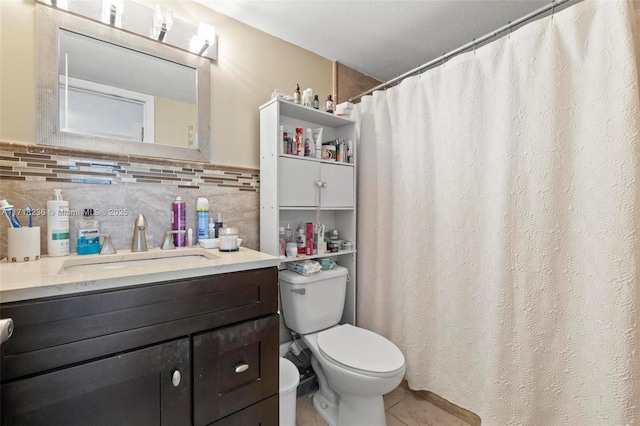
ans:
x=360 y=351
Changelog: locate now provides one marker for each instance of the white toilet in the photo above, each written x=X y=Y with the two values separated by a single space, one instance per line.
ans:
x=355 y=367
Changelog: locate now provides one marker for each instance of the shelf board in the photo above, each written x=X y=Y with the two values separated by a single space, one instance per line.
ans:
x=316 y=256
x=315 y=160
x=312 y=208
x=311 y=115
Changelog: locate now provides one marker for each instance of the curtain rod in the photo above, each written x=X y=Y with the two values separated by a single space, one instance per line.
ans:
x=475 y=42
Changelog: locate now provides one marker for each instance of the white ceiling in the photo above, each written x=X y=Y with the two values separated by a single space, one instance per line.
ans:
x=382 y=39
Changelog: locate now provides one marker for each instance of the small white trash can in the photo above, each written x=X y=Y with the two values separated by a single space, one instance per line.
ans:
x=289 y=380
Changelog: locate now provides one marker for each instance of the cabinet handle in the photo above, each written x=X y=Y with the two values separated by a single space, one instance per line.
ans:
x=324 y=184
x=241 y=367
x=175 y=378
x=319 y=184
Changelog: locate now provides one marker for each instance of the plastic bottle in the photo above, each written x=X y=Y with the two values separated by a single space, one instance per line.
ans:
x=299 y=143
x=58 y=225
x=297 y=97
x=178 y=220
x=281 y=241
x=329 y=107
x=218 y=225
x=301 y=242
x=288 y=234
x=309 y=240
x=308 y=140
x=202 y=214
x=87 y=228
x=307 y=97
x=212 y=228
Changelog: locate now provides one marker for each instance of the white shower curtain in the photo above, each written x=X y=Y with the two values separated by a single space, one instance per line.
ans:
x=498 y=222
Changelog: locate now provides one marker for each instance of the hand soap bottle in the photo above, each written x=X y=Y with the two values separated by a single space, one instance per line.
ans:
x=58 y=225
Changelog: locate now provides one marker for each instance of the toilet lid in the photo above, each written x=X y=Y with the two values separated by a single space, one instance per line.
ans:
x=360 y=349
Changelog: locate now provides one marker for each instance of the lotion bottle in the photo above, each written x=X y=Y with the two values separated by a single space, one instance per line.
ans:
x=58 y=225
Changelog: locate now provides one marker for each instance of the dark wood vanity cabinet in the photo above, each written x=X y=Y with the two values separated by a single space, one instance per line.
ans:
x=199 y=351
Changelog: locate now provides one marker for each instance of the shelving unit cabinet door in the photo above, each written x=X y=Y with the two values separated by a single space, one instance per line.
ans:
x=297 y=183
x=339 y=189
x=134 y=388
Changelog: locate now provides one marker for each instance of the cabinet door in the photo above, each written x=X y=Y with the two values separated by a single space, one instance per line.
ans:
x=297 y=182
x=235 y=367
x=338 y=191
x=134 y=388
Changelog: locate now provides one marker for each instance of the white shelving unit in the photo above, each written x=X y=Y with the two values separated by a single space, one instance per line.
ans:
x=293 y=188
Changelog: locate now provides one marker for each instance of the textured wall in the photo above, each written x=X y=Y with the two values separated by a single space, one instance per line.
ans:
x=119 y=188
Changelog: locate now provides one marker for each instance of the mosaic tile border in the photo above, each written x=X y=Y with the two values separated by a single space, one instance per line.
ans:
x=37 y=163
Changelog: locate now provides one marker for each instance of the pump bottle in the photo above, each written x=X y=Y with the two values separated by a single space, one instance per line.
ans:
x=57 y=225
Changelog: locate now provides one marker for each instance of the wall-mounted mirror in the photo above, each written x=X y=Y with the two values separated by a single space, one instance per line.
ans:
x=104 y=89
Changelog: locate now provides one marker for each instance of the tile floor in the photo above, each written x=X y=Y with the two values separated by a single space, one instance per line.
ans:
x=403 y=408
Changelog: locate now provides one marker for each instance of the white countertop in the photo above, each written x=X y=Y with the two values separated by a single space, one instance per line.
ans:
x=55 y=276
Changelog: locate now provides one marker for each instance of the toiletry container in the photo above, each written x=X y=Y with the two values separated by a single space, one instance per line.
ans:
x=218 y=225
x=57 y=225
x=297 y=96
x=309 y=240
x=212 y=228
x=329 y=106
x=202 y=214
x=281 y=241
x=88 y=229
x=178 y=221
x=289 y=380
x=301 y=241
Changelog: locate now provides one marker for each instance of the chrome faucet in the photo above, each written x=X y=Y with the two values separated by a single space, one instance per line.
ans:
x=139 y=242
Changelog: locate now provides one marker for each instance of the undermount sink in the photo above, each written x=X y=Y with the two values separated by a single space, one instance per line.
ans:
x=147 y=259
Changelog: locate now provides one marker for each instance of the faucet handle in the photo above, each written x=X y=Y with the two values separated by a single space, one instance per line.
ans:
x=107 y=245
x=167 y=244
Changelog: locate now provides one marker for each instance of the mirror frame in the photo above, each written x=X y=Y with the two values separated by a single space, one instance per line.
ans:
x=49 y=22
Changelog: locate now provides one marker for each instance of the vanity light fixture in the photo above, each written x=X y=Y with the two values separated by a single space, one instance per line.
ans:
x=162 y=22
x=112 y=12
x=205 y=38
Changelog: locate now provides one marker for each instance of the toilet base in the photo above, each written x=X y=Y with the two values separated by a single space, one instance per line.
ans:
x=352 y=410
x=327 y=410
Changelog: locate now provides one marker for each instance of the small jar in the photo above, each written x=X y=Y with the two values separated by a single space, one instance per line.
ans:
x=347 y=245
x=333 y=234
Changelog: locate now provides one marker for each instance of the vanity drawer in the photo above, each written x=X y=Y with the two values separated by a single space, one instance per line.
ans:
x=49 y=334
x=264 y=413
x=234 y=368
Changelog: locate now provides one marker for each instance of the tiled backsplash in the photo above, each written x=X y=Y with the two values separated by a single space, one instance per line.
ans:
x=120 y=187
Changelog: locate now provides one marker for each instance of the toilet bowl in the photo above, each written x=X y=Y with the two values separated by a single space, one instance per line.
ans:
x=360 y=366
x=355 y=366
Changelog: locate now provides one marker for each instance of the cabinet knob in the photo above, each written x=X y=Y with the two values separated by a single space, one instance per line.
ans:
x=175 y=378
x=241 y=367
x=319 y=184
x=324 y=184
x=6 y=329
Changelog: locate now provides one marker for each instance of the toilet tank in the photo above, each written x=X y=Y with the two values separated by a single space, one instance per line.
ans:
x=314 y=302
